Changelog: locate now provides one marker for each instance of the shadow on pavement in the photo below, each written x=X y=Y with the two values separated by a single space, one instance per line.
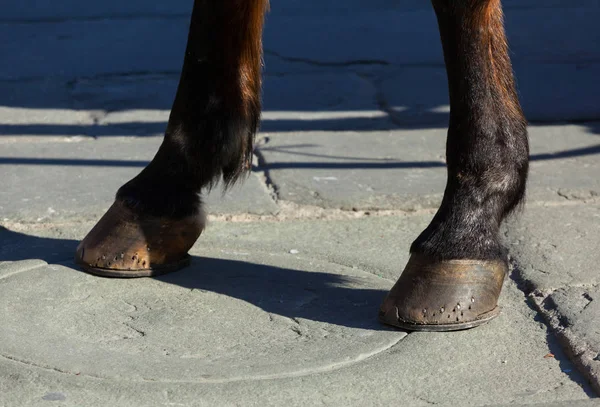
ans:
x=316 y=296
x=15 y=246
x=357 y=163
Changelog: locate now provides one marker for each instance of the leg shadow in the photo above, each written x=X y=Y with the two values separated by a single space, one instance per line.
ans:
x=15 y=246
x=321 y=296
x=317 y=296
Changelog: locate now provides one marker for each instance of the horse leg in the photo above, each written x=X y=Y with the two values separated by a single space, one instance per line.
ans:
x=157 y=216
x=457 y=266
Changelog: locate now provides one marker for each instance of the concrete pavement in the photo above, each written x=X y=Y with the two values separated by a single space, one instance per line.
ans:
x=280 y=303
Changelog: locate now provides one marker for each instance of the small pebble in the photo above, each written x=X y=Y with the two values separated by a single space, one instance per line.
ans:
x=504 y=362
x=294 y=251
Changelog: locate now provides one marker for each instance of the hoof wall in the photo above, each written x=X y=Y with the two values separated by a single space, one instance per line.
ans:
x=392 y=318
x=447 y=295
x=147 y=272
x=124 y=244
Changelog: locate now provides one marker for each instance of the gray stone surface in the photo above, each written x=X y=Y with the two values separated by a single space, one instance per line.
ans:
x=149 y=43
x=35 y=10
x=279 y=306
x=363 y=170
x=223 y=320
x=556 y=34
x=558 y=263
x=313 y=317
x=405 y=169
x=139 y=104
x=321 y=101
x=557 y=246
x=549 y=92
x=79 y=178
x=579 y=308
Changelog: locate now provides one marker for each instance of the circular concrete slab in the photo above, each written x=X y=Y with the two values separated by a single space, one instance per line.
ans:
x=228 y=317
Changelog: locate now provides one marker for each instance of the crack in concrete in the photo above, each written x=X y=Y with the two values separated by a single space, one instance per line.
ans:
x=70 y=81
x=140 y=15
x=123 y=74
x=588 y=197
x=262 y=167
x=308 y=61
x=588 y=298
x=296 y=330
x=578 y=351
x=139 y=331
x=420 y=398
x=382 y=102
x=135 y=308
x=44 y=367
x=85 y=19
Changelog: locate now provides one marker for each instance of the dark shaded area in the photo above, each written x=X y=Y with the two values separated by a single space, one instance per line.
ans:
x=316 y=296
x=152 y=84
x=354 y=162
x=144 y=129
x=15 y=246
x=137 y=129
x=72 y=162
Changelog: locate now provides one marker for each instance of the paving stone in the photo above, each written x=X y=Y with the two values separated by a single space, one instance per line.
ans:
x=60 y=180
x=79 y=48
x=266 y=322
x=549 y=92
x=34 y=11
x=579 y=309
x=557 y=253
x=251 y=326
x=400 y=36
x=557 y=246
x=396 y=36
x=283 y=312
x=366 y=170
x=404 y=169
x=572 y=315
x=139 y=105
x=323 y=101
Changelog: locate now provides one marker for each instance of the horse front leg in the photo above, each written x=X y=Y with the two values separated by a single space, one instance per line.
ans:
x=457 y=265
x=157 y=216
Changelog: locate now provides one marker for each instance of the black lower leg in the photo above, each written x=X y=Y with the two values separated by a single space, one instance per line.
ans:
x=487 y=148
x=215 y=113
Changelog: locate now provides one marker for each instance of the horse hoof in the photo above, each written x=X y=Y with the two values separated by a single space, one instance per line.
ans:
x=125 y=244
x=448 y=295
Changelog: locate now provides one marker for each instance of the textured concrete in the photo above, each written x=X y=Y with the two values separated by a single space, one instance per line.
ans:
x=279 y=306
x=79 y=177
x=558 y=245
x=228 y=319
x=406 y=168
x=272 y=318
x=550 y=91
x=558 y=264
